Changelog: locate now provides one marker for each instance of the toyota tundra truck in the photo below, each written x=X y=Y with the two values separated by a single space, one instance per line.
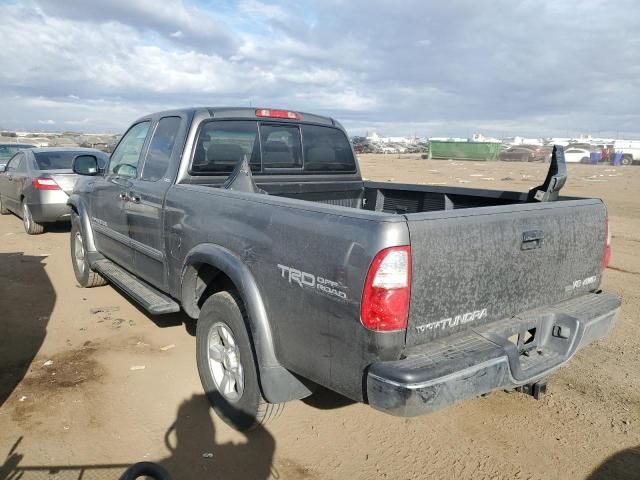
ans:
x=258 y=224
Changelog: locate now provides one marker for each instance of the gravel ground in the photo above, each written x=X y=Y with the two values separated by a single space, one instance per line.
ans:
x=90 y=384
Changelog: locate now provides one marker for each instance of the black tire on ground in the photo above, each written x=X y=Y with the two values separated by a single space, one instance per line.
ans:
x=225 y=310
x=30 y=226
x=626 y=160
x=86 y=277
x=584 y=160
x=3 y=209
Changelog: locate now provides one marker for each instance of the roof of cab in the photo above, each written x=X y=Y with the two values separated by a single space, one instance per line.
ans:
x=63 y=149
x=241 y=112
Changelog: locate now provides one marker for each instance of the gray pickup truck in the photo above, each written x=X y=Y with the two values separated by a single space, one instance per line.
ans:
x=410 y=298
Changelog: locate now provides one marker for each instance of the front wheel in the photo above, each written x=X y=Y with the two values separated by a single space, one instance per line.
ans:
x=626 y=160
x=30 y=226
x=86 y=277
x=226 y=364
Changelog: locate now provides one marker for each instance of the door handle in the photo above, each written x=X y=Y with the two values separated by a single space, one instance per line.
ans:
x=124 y=196
x=135 y=198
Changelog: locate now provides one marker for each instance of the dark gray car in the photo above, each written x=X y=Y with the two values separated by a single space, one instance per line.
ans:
x=36 y=183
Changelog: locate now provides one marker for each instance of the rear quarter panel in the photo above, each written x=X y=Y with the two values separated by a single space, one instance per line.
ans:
x=295 y=250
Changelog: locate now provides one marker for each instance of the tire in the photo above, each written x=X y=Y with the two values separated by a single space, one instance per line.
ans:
x=222 y=329
x=30 y=226
x=585 y=160
x=3 y=210
x=86 y=277
x=626 y=160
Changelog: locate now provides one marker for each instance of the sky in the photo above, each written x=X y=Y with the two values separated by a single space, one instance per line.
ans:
x=430 y=68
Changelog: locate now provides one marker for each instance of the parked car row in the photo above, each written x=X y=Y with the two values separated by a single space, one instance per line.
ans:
x=35 y=184
x=627 y=153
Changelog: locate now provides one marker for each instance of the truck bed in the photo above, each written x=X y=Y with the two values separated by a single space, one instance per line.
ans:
x=388 y=197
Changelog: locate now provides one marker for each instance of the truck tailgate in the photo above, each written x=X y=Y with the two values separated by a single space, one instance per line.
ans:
x=475 y=266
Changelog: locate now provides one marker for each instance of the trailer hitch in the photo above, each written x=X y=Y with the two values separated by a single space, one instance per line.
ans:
x=556 y=178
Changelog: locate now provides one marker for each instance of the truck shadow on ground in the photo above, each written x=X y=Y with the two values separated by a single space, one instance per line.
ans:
x=166 y=320
x=57 y=227
x=624 y=465
x=23 y=321
x=193 y=453
x=325 y=399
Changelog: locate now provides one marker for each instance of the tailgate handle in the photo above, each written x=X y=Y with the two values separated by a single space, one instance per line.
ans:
x=532 y=239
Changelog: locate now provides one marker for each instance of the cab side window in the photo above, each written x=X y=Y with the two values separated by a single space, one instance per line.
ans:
x=160 y=149
x=15 y=163
x=125 y=158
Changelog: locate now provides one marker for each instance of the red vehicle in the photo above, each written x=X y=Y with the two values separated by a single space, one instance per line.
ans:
x=526 y=153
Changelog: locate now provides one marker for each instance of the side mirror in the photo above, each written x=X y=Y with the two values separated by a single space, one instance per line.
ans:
x=3 y=168
x=86 y=165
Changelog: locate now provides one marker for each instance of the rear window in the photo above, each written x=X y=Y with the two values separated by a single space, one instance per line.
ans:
x=281 y=146
x=221 y=145
x=64 y=160
x=326 y=150
x=271 y=148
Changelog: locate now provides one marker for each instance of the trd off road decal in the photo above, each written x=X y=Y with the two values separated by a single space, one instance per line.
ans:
x=308 y=280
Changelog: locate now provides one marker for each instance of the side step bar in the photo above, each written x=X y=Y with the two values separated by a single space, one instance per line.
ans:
x=149 y=298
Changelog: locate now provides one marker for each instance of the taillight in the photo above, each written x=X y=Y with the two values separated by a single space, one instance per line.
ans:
x=385 y=298
x=606 y=257
x=42 y=183
x=272 y=113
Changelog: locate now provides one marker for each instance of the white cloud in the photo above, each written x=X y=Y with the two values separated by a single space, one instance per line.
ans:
x=510 y=67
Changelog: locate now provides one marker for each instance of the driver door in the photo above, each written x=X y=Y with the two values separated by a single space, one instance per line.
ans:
x=110 y=197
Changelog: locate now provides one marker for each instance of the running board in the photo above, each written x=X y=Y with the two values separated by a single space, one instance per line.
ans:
x=144 y=294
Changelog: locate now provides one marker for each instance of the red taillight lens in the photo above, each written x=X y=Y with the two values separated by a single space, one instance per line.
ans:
x=272 y=113
x=42 y=183
x=606 y=257
x=387 y=289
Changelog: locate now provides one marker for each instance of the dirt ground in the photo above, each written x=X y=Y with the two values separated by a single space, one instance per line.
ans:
x=90 y=384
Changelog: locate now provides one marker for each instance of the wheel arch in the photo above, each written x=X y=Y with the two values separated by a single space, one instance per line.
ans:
x=209 y=268
x=77 y=205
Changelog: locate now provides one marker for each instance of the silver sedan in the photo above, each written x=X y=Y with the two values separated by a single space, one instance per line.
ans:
x=36 y=184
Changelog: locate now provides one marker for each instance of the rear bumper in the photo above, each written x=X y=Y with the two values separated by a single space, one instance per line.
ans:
x=479 y=361
x=50 y=206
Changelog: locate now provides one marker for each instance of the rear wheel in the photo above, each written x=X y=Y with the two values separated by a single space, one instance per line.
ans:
x=86 y=277
x=3 y=209
x=226 y=364
x=584 y=160
x=30 y=226
x=626 y=160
